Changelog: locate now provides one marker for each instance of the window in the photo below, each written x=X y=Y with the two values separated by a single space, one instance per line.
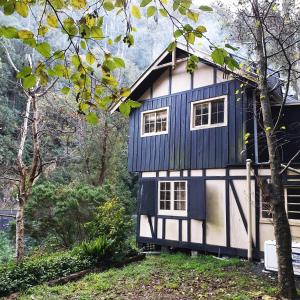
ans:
x=292 y=204
x=209 y=113
x=172 y=197
x=154 y=122
x=292 y=196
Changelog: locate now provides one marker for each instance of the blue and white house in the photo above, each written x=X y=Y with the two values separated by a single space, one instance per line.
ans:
x=187 y=143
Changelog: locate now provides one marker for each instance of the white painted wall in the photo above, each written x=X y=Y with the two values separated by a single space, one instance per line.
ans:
x=184 y=234
x=145 y=230
x=222 y=78
x=203 y=75
x=196 y=231
x=172 y=230
x=215 y=212
x=161 y=85
x=181 y=80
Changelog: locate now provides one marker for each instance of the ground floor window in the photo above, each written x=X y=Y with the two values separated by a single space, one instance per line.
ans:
x=172 y=197
x=292 y=204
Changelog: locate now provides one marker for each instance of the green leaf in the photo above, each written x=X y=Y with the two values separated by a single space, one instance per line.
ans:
x=92 y=118
x=9 y=32
x=42 y=30
x=59 y=54
x=171 y=46
x=205 y=8
x=44 y=49
x=190 y=37
x=118 y=38
x=188 y=27
x=177 y=33
x=176 y=4
x=151 y=11
x=29 y=81
x=232 y=63
x=90 y=58
x=25 y=34
x=57 y=4
x=201 y=29
x=231 y=47
x=119 y=62
x=133 y=104
x=65 y=90
x=218 y=56
x=125 y=92
x=52 y=21
x=26 y=71
x=75 y=60
x=22 y=9
x=9 y=8
x=30 y=42
x=135 y=11
x=192 y=15
x=78 y=3
x=145 y=3
x=96 y=33
x=83 y=45
x=108 y=5
x=163 y=12
x=58 y=70
x=125 y=108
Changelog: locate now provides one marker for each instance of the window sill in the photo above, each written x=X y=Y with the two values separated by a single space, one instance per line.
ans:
x=209 y=126
x=154 y=134
x=171 y=213
x=291 y=222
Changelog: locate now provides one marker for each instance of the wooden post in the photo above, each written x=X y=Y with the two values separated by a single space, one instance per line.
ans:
x=248 y=167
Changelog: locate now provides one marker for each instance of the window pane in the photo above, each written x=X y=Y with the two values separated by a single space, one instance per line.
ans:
x=161 y=116
x=294 y=215
x=147 y=128
x=158 y=127
x=204 y=119
x=217 y=111
x=295 y=191
x=201 y=114
x=165 y=195
x=179 y=205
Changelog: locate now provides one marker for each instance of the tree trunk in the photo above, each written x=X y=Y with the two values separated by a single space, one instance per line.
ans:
x=281 y=225
x=20 y=231
x=103 y=160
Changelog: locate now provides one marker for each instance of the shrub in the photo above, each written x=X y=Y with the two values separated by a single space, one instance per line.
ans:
x=99 y=249
x=6 y=250
x=15 y=277
x=112 y=222
x=56 y=214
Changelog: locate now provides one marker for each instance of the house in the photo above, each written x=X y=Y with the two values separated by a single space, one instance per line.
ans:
x=189 y=143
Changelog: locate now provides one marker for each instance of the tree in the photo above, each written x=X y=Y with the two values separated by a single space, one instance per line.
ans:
x=27 y=173
x=272 y=35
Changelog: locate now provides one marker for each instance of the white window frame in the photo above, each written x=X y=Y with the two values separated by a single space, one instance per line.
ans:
x=209 y=101
x=152 y=111
x=270 y=220
x=172 y=211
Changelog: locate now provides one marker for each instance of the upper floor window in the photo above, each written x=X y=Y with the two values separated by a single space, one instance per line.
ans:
x=292 y=204
x=172 y=197
x=209 y=113
x=154 y=122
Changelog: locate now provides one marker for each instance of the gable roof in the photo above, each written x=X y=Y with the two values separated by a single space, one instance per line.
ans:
x=181 y=53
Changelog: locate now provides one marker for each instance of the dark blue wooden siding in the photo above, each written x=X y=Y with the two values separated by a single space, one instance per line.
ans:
x=182 y=148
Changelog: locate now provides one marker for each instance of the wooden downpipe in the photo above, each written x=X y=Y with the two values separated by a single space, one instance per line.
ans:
x=248 y=167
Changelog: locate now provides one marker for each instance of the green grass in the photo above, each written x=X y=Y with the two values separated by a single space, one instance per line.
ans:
x=168 y=276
